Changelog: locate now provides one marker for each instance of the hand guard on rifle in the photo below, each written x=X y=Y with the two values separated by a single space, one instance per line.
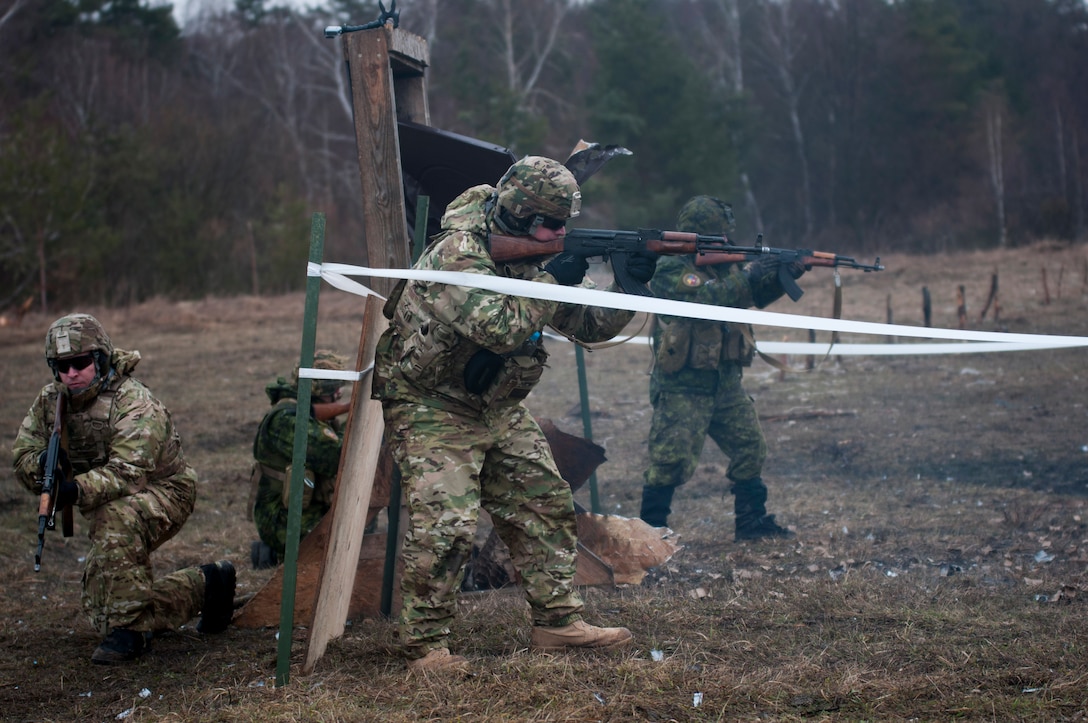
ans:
x=642 y=265
x=567 y=268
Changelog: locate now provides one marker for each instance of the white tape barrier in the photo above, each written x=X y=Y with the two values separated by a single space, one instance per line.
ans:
x=984 y=341
x=346 y=376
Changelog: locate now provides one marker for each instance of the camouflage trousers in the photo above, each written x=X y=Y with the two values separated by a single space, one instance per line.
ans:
x=119 y=589
x=683 y=420
x=270 y=515
x=451 y=466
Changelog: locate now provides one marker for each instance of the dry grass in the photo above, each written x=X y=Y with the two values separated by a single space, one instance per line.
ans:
x=939 y=569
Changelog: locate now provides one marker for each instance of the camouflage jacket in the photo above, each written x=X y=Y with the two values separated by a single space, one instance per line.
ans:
x=693 y=353
x=439 y=334
x=274 y=444
x=118 y=443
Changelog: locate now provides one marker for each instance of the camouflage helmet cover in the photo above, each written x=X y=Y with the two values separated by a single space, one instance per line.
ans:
x=538 y=186
x=74 y=335
x=707 y=216
x=324 y=359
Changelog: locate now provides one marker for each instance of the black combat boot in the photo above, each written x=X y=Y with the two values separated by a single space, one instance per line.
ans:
x=218 y=608
x=121 y=646
x=262 y=556
x=656 y=505
x=753 y=522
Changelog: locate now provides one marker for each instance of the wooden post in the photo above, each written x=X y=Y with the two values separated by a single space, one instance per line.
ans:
x=354 y=483
x=991 y=300
x=961 y=306
x=1046 y=289
x=927 y=307
x=1061 y=273
x=889 y=317
x=386 y=72
x=810 y=360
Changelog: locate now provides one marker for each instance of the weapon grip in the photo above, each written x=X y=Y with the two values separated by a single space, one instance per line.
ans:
x=623 y=277
x=788 y=282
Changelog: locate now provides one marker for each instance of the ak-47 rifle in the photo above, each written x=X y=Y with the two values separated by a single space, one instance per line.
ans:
x=47 y=503
x=618 y=246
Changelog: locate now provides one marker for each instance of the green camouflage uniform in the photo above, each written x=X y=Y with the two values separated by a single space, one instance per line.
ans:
x=695 y=387
x=273 y=449
x=460 y=450
x=135 y=489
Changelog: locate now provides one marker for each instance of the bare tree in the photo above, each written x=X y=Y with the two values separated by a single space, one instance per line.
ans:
x=784 y=40
x=995 y=154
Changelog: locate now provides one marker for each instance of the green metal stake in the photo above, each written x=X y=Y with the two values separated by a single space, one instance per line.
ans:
x=298 y=459
x=393 y=528
x=587 y=425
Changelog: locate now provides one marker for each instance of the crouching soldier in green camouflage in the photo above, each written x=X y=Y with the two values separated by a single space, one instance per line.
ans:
x=452 y=372
x=273 y=450
x=125 y=471
x=695 y=387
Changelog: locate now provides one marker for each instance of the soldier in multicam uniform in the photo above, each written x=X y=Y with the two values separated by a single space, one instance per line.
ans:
x=451 y=372
x=695 y=387
x=129 y=479
x=273 y=449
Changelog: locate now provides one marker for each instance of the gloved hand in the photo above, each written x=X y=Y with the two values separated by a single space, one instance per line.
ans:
x=568 y=269
x=67 y=492
x=62 y=461
x=642 y=265
x=797 y=269
x=763 y=270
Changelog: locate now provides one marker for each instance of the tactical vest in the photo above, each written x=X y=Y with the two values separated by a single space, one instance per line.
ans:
x=90 y=432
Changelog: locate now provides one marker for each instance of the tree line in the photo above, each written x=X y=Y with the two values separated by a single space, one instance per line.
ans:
x=141 y=158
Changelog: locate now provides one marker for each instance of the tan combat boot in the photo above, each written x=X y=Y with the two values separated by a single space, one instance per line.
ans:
x=579 y=634
x=439 y=659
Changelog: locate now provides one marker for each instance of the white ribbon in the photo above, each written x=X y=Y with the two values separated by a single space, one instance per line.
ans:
x=983 y=341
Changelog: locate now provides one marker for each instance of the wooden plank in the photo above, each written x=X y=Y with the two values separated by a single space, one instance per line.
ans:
x=355 y=481
x=385 y=224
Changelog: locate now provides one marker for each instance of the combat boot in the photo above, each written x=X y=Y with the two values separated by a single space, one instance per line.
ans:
x=121 y=646
x=439 y=659
x=218 y=607
x=262 y=556
x=579 y=634
x=656 y=505
x=752 y=520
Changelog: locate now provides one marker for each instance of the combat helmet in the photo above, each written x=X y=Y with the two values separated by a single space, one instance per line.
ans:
x=535 y=191
x=75 y=335
x=706 y=215
x=324 y=359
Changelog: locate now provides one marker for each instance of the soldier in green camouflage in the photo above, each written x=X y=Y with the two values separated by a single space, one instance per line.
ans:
x=125 y=470
x=452 y=372
x=695 y=387
x=273 y=449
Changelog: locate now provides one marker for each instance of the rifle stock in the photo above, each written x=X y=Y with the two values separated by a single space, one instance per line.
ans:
x=47 y=502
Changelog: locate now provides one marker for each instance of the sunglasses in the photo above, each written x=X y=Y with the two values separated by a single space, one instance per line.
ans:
x=78 y=363
x=552 y=224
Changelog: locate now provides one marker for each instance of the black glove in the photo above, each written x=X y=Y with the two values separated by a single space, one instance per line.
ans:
x=797 y=269
x=642 y=265
x=481 y=369
x=568 y=269
x=67 y=491
x=62 y=461
x=762 y=271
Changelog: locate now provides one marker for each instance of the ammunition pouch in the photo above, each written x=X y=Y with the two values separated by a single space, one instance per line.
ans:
x=307 y=487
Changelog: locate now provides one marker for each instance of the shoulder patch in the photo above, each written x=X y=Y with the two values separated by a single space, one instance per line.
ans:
x=691 y=280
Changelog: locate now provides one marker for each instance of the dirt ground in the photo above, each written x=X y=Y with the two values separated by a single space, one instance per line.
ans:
x=939 y=504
